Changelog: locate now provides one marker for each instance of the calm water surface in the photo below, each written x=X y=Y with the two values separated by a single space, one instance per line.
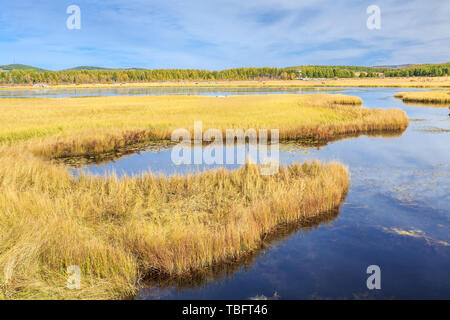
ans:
x=396 y=215
x=202 y=91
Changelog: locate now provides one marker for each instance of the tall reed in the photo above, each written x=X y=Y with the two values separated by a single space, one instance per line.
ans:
x=438 y=98
x=91 y=126
x=120 y=230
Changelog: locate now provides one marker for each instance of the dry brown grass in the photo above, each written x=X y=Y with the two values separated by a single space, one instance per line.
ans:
x=118 y=230
x=437 y=98
x=88 y=126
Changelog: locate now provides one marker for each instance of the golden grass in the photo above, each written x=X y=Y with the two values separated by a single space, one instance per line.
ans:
x=401 y=82
x=87 y=126
x=120 y=230
x=438 y=98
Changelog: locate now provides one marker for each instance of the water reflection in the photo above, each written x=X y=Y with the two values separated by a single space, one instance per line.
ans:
x=203 y=91
x=225 y=270
x=158 y=158
x=430 y=104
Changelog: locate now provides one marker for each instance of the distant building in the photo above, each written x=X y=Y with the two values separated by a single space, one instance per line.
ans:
x=300 y=75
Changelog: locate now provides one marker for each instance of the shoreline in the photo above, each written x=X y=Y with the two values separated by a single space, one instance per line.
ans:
x=412 y=82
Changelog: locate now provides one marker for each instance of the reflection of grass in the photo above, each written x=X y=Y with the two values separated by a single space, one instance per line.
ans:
x=434 y=130
x=80 y=161
x=434 y=98
x=92 y=126
x=118 y=230
x=416 y=233
x=218 y=272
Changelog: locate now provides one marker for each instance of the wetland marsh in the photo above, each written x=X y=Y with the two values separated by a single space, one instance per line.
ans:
x=395 y=213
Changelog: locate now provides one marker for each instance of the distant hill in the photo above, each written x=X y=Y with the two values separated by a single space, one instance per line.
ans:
x=11 y=67
x=395 y=66
x=403 y=66
x=88 y=68
x=100 y=68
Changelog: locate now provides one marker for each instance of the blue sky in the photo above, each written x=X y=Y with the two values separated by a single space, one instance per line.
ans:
x=216 y=34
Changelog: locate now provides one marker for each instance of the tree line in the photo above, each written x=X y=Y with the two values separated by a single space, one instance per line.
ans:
x=123 y=76
x=427 y=70
x=118 y=76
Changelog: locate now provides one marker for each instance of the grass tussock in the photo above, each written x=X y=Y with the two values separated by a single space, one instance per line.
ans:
x=90 y=126
x=437 y=98
x=120 y=230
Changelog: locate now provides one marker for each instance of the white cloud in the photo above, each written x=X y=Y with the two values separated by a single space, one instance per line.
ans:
x=220 y=34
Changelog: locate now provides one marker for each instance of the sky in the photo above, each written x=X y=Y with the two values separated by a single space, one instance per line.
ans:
x=219 y=34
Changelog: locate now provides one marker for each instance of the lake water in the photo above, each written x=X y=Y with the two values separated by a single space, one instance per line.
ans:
x=202 y=91
x=396 y=215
